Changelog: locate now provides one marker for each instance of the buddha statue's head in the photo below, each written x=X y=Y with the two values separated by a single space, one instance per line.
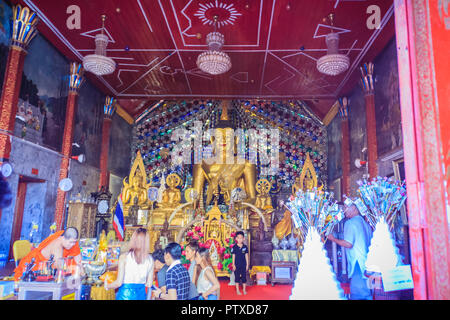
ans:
x=224 y=139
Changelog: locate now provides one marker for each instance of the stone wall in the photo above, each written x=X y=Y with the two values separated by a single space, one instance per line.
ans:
x=40 y=199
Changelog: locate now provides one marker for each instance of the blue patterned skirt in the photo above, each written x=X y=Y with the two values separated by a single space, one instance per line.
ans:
x=131 y=291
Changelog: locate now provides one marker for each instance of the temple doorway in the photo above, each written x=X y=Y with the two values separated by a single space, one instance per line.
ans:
x=28 y=211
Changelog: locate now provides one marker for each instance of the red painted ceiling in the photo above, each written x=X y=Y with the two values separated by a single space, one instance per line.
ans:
x=156 y=43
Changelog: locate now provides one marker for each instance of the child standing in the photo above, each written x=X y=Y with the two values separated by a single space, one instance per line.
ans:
x=240 y=261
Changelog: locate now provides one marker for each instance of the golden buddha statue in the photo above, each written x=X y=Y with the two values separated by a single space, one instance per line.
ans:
x=171 y=197
x=309 y=182
x=263 y=199
x=296 y=186
x=135 y=189
x=263 y=202
x=308 y=177
x=214 y=230
x=240 y=173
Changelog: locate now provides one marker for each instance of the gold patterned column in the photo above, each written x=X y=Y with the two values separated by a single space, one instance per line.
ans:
x=24 y=30
x=367 y=85
x=108 y=110
x=345 y=146
x=76 y=80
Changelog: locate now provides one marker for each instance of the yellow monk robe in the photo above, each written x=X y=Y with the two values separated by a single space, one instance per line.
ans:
x=36 y=253
x=284 y=227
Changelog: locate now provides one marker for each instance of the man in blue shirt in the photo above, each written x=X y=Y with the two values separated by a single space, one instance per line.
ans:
x=357 y=236
x=177 y=277
x=161 y=268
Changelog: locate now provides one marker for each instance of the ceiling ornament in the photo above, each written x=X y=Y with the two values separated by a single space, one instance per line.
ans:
x=333 y=63
x=214 y=61
x=208 y=11
x=98 y=63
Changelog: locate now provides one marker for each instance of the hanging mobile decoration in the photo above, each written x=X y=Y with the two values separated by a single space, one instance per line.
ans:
x=315 y=209
x=383 y=198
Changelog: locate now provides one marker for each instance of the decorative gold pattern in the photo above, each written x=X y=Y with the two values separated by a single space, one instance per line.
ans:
x=215 y=234
x=24 y=26
x=308 y=177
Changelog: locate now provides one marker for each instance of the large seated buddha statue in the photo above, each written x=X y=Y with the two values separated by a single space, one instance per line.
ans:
x=217 y=172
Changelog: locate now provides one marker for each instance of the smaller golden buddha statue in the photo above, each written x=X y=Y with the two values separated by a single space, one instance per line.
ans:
x=171 y=197
x=214 y=231
x=296 y=186
x=309 y=181
x=263 y=199
x=102 y=248
x=135 y=189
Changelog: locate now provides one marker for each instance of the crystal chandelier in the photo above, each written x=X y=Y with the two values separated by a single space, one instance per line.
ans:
x=214 y=61
x=98 y=63
x=333 y=63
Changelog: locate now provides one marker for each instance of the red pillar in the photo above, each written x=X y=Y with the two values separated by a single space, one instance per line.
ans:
x=104 y=153
x=24 y=18
x=424 y=96
x=345 y=146
x=372 y=149
x=107 y=120
x=76 y=79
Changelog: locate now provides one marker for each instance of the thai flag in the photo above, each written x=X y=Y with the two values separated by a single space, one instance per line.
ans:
x=118 y=219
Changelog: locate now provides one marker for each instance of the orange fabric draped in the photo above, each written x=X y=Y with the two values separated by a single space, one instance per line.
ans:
x=36 y=253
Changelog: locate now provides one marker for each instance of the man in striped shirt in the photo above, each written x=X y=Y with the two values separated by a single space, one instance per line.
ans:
x=177 y=277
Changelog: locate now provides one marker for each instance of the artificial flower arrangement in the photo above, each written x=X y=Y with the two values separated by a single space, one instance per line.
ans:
x=224 y=252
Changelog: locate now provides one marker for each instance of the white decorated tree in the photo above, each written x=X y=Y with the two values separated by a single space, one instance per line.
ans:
x=383 y=253
x=315 y=277
x=382 y=199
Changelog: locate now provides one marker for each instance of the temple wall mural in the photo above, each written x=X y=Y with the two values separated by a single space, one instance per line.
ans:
x=88 y=124
x=119 y=157
x=387 y=101
x=5 y=37
x=43 y=95
x=334 y=149
x=33 y=212
x=388 y=117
